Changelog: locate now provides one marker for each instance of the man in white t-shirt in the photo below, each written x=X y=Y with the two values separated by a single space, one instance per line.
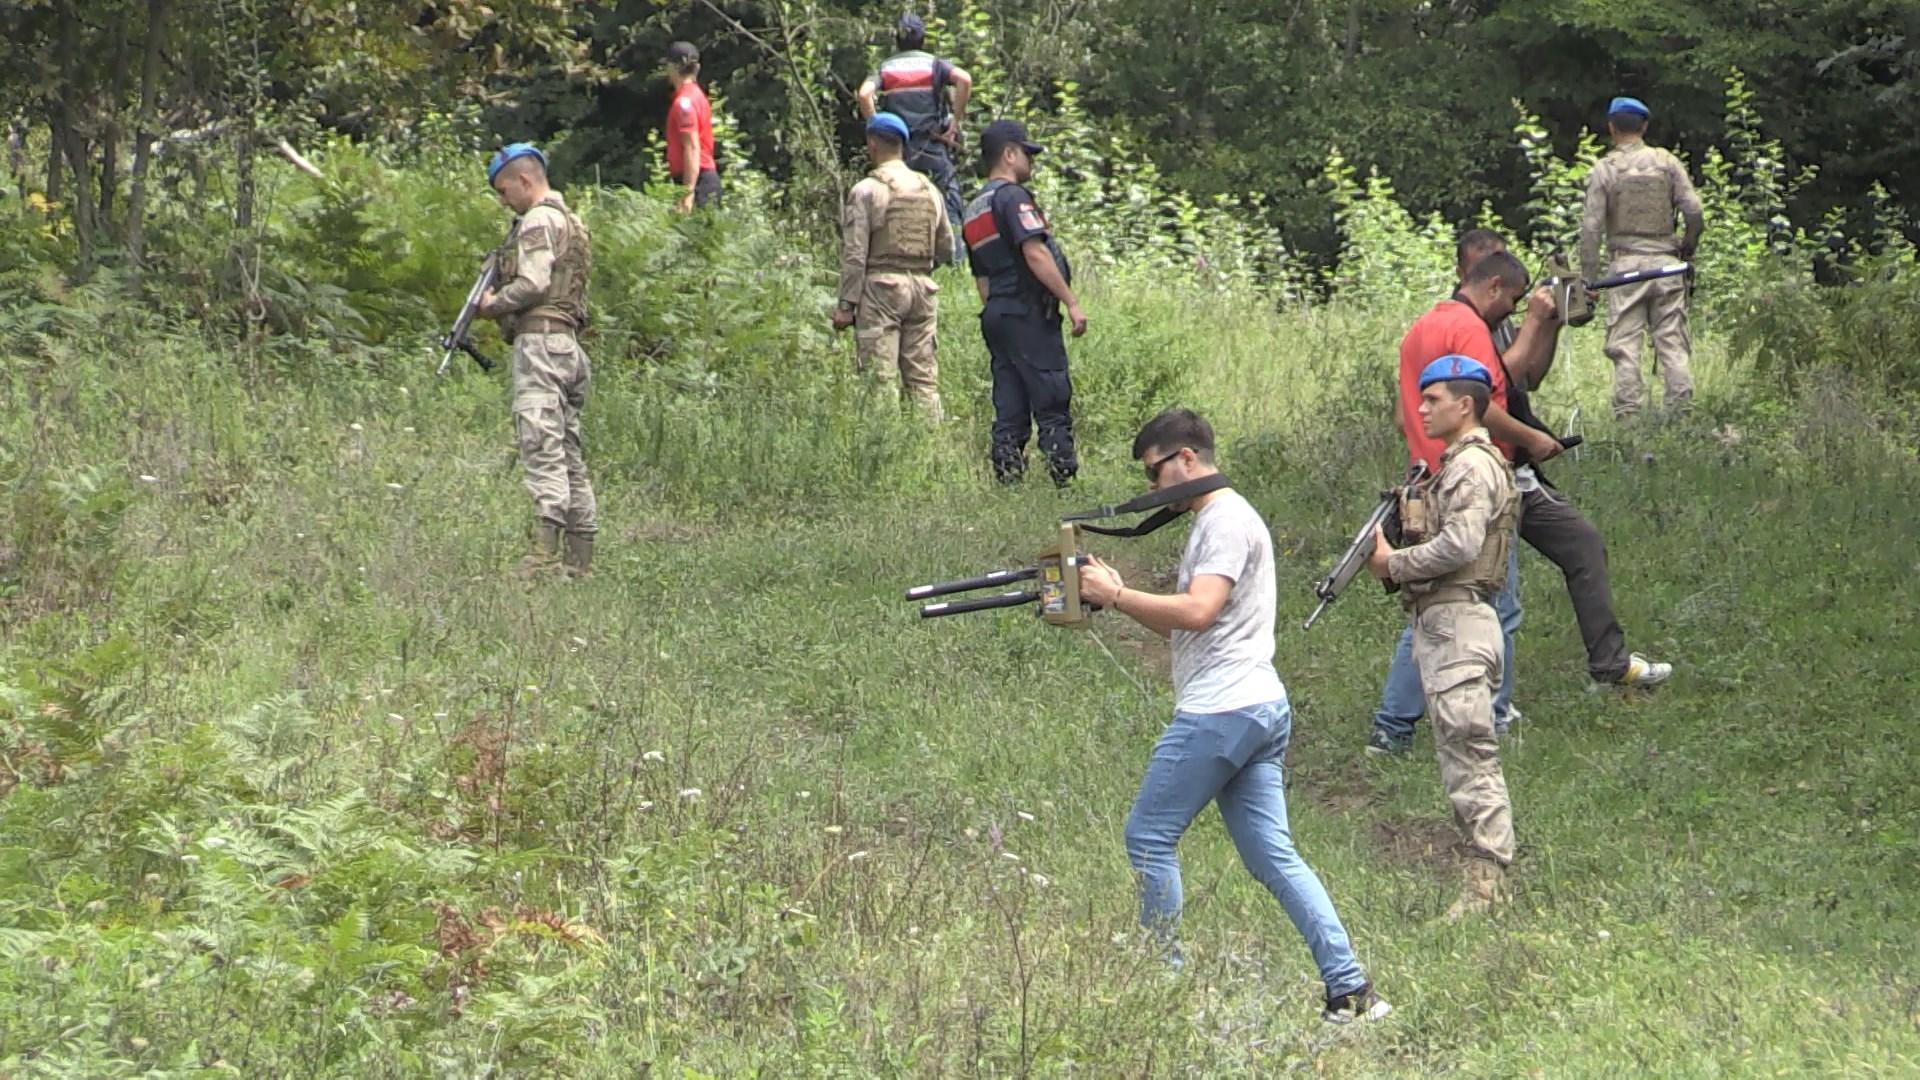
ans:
x=1231 y=720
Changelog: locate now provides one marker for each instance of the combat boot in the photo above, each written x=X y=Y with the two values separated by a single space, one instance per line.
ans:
x=544 y=559
x=579 y=557
x=1485 y=881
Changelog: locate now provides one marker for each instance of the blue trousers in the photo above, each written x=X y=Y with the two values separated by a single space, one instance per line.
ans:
x=1403 y=701
x=1236 y=759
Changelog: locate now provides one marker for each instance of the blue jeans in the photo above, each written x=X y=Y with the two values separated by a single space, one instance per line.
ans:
x=1403 y=701
x=1235 y=758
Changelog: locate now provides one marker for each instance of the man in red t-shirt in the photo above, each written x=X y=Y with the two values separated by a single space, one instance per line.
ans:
x=1462 y=326
x=690 y=129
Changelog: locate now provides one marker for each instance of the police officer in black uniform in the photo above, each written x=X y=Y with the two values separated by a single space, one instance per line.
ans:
x=1024 y=282
x=930 y=94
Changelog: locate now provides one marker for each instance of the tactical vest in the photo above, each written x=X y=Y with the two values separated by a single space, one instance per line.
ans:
x=1006 y=271
x=1640 y=201
x=913 y=87
x=904 y=241
x=572 y=265
x=1487 y=571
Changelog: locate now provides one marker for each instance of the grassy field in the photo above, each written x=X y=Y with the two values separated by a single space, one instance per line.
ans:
x=299 y=781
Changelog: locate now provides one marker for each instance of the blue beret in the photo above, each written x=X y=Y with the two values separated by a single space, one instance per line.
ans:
x=1628 y=105
x=1449 y=368
x=886 y=123
x=509 y=153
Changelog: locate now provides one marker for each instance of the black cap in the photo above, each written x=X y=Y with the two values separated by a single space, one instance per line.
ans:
x=682 y=53
x=1004 y=133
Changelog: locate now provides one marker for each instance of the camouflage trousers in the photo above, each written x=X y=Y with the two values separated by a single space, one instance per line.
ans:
x=895 y=333
x=1458 y=647
x=1658 y=307
x=550 y=380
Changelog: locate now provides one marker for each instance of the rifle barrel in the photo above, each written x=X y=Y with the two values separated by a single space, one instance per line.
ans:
x=1632 y=276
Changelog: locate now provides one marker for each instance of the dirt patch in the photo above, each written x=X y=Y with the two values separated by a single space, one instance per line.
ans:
x=1424 y=843
x=1341 y=795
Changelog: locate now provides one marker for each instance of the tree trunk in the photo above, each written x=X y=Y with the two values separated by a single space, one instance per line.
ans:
x=144 y=135
x=110 y=130
x=1352 y=47
x=56 y=146
x=76 y=140
x=17 y=154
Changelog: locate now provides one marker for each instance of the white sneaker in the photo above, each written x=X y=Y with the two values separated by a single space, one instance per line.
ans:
x=1362 y=1004
x=1642 y=672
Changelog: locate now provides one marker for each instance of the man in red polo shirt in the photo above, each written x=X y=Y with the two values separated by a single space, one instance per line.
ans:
x=690 y=129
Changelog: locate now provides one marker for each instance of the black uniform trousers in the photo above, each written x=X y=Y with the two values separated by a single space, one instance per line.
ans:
x=1031 y=388
x=1551 y=525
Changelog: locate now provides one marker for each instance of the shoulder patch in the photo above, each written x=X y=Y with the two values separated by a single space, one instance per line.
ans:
x=535 y=236
x=1031 y=218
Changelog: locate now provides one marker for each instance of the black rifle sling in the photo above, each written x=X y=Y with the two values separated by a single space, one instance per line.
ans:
x=1163 y=498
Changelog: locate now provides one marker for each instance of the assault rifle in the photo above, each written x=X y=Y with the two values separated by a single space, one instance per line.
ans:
x=1573 y=295
x=457 y=339
x=1055 y=573
x=1385 y=517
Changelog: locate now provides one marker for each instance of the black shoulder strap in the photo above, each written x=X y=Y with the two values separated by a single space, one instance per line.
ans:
x=1163 y=498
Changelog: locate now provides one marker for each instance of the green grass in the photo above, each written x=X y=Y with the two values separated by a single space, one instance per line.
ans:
x=346 y=799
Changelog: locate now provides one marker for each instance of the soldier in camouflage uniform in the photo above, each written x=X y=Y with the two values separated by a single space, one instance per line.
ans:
x=1458 y=528
x=893 y=230
x=541 y=306
x=1632 y=195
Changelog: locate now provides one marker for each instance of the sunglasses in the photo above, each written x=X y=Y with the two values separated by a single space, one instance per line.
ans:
x=1153 y=468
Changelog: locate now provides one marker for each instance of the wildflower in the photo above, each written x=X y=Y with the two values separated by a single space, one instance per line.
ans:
x=858 y=855
x=355 y=426
x=149 y=478
x=646 y=804
x=653 y=755
x=806 y=794
x=689 y=794
x=1040 y=880
x=834 y=830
